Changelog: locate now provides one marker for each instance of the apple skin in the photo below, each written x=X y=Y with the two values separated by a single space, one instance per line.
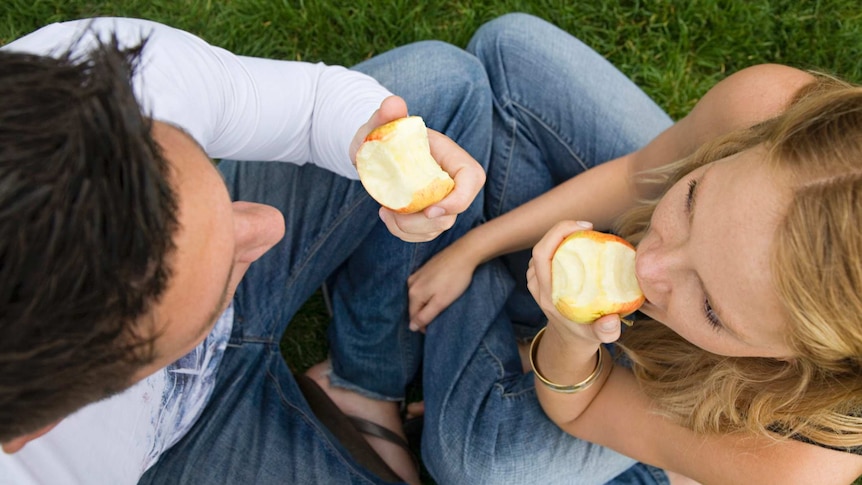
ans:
x=592 y=275
x=396 y=167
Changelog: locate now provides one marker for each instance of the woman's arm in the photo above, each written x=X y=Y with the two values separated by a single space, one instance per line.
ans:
x=235 y=107
x=623 y=418
x=603 y=193
x=614 y=411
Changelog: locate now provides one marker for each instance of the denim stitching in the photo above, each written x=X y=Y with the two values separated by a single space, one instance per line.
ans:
x=554 y=131
x=303 y=261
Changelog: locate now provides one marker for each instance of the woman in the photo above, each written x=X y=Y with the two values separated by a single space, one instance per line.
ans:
x=748 y=258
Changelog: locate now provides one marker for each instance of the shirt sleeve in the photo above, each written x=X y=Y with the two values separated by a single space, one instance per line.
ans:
x=236 y=107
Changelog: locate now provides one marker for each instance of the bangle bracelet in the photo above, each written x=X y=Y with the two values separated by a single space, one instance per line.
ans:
x=584 y=384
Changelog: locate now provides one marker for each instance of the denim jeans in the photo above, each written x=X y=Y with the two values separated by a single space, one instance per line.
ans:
x=372 y=350
x=257 y=427
x=559 y=109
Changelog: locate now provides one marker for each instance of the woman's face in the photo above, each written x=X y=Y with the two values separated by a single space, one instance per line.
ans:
x=704 y=263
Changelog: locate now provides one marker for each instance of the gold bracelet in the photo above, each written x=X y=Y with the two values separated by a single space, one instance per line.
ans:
x=584 y=384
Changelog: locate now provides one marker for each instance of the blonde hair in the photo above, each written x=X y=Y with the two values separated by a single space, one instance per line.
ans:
x=817 y=268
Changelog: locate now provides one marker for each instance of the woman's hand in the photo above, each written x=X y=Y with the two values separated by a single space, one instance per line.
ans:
x=605 y=329
x=439 y=282
x=464 y=169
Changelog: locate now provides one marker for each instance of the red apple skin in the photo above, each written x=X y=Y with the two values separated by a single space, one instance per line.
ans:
x=384 y=130
x=587 y=312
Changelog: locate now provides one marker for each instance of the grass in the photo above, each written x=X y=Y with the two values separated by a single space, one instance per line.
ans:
x=675 y=50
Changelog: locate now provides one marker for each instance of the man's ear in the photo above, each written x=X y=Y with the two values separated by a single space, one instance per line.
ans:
x=17 y=443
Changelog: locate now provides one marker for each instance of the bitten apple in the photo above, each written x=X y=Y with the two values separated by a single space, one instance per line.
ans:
x=396 y=167
x=593 y=274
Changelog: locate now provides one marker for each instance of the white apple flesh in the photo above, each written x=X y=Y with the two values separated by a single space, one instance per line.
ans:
x=396 y=167
x=593 y=274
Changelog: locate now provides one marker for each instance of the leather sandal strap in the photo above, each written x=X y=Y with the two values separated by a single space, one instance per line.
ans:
x=373 y=429
x=342 y=428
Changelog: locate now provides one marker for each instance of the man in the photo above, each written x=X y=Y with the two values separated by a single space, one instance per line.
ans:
x=129 y=300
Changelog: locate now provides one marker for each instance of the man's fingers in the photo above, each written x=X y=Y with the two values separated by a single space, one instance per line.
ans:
x=418 y=223
x=415 y=227
x=464 y=169
x=391 y=108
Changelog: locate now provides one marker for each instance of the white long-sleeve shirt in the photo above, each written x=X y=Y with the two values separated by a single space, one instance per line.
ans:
x=235 y=107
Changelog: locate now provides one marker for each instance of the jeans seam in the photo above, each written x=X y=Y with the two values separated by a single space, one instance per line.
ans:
x=318 y=242
x=517 y=109
x=257 y=340
x=519 y=394
x=512 y=129
x=554 y=131
x=501 y=373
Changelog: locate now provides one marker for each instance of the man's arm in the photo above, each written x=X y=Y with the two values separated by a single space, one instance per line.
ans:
x=234 y=106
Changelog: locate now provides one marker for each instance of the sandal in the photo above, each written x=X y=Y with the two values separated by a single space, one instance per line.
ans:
x=371 y=428
x=413 y=431
x=345 y=429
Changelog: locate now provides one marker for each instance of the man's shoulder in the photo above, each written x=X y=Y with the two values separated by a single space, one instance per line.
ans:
x=110 y=441
x=60 y=37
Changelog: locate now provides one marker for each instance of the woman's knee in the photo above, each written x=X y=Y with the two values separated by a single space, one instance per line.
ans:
x=430 y=72
x=510 y=29
x=442 y=65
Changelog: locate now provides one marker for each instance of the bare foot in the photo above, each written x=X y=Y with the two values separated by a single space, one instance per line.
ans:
x=415 y=409
x=384 y=413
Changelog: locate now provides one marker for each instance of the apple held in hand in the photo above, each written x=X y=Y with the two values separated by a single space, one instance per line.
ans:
x=396 y=167
x=592 y=275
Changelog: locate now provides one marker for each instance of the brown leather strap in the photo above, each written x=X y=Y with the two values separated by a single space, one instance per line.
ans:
x=340 y=425
x=373 y=429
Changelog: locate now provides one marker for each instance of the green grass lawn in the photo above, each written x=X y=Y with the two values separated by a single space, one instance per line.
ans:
x=675 y=50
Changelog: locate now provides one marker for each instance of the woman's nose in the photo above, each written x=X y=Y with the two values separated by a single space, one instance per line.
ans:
x=657 y=268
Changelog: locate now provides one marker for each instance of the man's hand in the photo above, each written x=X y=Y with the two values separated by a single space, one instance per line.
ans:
x=465 y=170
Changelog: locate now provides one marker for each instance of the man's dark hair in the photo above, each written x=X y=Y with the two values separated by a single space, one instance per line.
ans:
x=87 y=218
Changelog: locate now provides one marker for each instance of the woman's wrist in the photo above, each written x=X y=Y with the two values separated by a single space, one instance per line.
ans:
x=478 y=249
x=564 y=388
x=565 y=362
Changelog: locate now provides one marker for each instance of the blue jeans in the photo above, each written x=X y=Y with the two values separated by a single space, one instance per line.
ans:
x=257 y=427
x=372 y=350
x=559 y=109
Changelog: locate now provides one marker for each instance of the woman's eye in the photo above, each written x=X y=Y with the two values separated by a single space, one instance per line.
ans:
x=711 y=316
x=689 y=198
